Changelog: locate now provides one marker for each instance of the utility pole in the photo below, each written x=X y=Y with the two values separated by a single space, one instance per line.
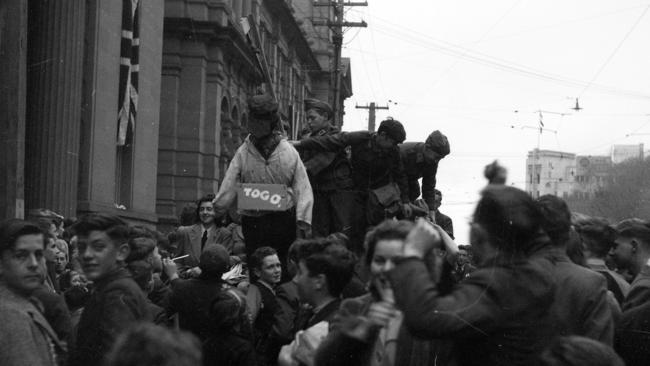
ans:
x=336 y=25
x=371 y=114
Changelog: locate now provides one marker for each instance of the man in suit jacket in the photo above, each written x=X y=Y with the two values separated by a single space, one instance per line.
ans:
x=194 y=239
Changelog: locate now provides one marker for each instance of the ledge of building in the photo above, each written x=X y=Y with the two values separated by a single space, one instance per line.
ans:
x=132 y=216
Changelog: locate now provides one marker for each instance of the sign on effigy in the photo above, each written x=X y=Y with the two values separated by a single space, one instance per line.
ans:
x=262 y=197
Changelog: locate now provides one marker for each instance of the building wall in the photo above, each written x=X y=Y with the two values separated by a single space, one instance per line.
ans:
x=620 y=153
x=209 y=71
x=98 y=155
x=592 y=174
x=13 y=88
x=549 y=172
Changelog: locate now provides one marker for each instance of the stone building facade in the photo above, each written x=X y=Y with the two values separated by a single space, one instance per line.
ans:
x=60 y=96
x=59 y=105
x=209 y=71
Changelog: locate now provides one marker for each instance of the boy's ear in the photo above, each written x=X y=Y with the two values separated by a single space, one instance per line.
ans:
x=123 y=252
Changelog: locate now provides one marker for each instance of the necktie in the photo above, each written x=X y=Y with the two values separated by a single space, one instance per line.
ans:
x=204 y=238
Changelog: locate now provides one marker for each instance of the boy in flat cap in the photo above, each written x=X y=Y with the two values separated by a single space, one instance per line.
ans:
x=420 y=160
x=266 y=157
x=377 y=170
x=330 y=174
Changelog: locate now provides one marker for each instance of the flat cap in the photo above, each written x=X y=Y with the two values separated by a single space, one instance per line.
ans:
x=438 y=143
x=311 y=103
x=394 y=129
x=262 y=106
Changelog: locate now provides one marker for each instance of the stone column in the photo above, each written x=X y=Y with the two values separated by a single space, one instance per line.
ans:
x=13 y=56
x=54 y=84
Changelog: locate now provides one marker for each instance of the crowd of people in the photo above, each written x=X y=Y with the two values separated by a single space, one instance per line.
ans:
x=355 y=266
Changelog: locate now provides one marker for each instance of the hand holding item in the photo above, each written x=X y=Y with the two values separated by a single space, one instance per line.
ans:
x=170 y=268
x=421 y=240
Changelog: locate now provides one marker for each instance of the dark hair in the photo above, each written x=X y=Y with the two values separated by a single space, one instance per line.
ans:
x=12 y=229
x=437 y=192
x=510 y=217
x=189 y=215
x=142 y=273
x=634 y=228
x=579 y=351
x=45 y=223
x=113 y=226
x=333 y=260
x=386 y=230
x=257 y=258
x=556 y=218
x=597 y=235
x=152 y=345
x=227 y=310
x=76 y=297
x=141 y=248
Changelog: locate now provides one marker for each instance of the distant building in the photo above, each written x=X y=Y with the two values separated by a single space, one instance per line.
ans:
x=591 y=175
x=549 y=172
x=621 y=153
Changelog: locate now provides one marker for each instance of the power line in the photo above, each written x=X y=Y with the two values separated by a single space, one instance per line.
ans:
x=611 y=56
x=423 y=40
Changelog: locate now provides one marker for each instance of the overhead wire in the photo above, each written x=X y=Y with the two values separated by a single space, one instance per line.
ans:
x=406 y=34
x=616 y=49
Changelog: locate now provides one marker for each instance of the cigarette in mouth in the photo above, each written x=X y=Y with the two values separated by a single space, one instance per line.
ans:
x=181 y=257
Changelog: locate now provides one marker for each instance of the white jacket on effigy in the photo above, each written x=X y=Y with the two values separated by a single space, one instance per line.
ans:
x=282 y=167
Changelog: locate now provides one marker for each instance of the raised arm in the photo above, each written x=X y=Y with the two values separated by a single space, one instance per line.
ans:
x=334 y=142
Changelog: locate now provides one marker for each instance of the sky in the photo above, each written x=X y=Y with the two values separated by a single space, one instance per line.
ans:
x=479 y=71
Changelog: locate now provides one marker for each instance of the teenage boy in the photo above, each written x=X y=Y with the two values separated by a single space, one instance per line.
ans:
x=117 y=302
x=26 y=338
x=263 y=304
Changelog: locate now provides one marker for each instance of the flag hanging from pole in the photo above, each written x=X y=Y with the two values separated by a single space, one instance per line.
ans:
x=541 y=122
x=129 y=59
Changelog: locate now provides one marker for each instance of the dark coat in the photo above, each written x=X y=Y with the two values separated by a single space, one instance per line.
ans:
x=328 y=171
x=416 y=167
x=191 y=299
x=189 y=242
x=228 y=349
x=307 y=318
x=288 y=300
x=632 y=341
x=497 y=316
x=340 y=348
x=115 y=304
x=445 y=223
x=372 y=167
x=639 y=290
x=581 y=305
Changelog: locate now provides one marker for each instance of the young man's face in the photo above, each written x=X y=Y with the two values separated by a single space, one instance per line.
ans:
x=100 y=255
x=316 y=121
x=305 y=283
x=271 y=270
x=623 y=252
x=22 y=268
x=60 y=261
x=437 y=201
x=206 y=213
